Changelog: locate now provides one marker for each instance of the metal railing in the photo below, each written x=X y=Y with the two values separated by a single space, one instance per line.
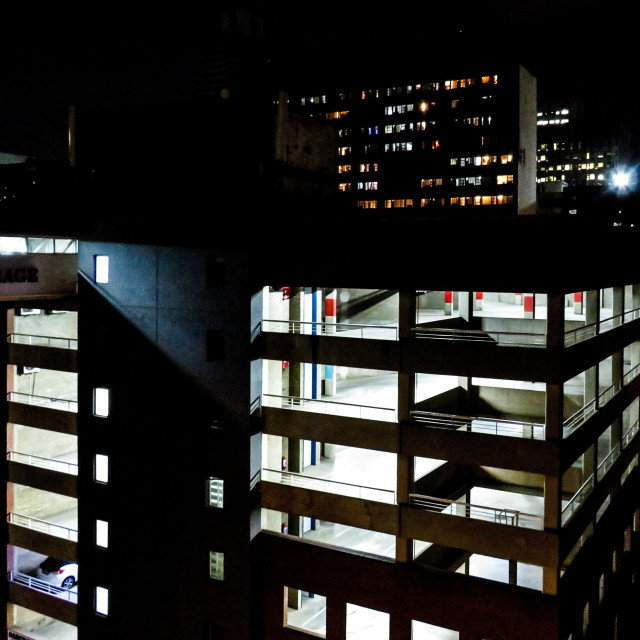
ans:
x=345 y=329
x=42 y=341
x=330 y=407
x=44 y=463
x=63 y=404
x=588 y=485
x=590 y=330
x=575 y=420
x=632 y=374
x=388 y=496
x=577 y=499
x=40 y=585
x=476 y=512
x=607 y=463
x=628 y=435
x=476 y=335
x=14 y=634
x=475 y=424
x=43 y=526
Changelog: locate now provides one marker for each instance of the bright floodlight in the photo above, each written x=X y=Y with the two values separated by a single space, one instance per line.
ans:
x=623 y=179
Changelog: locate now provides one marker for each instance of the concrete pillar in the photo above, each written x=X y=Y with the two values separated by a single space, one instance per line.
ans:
x=554 y=411
x=448 y=302
x=330 y=311
x=517 y=298
x=592 y=310
x=591 y=384
x=555 y=320
x=406 y=313
x=590 y=462
x=550 y=580
x=529 y=305
x=478 y=300
x=635 y=296
x=399 y=628
x=552 y=518
x=578 y=303
x=405 y=463
x=329 y=380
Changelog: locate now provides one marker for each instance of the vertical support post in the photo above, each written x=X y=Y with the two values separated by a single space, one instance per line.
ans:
x=406 y=402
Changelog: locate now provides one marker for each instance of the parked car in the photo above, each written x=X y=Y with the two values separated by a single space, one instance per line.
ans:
x=58 y=572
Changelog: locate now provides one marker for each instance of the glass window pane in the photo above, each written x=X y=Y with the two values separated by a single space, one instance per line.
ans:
x=102 y=269
x=101 y=468
x=101 y=402
x=102 y=601
x=102 y=533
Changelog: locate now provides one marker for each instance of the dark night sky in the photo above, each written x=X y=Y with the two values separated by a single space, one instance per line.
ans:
x=584 y=47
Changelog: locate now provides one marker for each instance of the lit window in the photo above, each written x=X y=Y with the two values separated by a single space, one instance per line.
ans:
x=216 y=492
x=101 y=468
x=102 y=533
x=506 y=179
x=216 y=565
x=101 y=402
x=102 y=601
x=102 y=269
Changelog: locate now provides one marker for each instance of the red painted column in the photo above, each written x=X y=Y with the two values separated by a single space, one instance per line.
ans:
x=479 y=298
x=448 y=302
x=330 y=311
x=529 y=305
x=577 y=302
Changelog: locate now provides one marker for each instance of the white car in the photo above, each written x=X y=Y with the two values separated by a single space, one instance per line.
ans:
x=58 y=572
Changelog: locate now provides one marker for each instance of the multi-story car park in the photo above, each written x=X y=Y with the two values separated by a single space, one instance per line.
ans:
x=259 y=458
x=292 y=420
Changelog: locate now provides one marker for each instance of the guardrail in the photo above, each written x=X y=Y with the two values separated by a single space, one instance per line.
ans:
x=476 y=512
x=42 y=341
x=628 y=435
x=42 y=586
x=607 y=463
x=330 y=407
x=43 y=463
x=14 y=634
x=301 y=481
x=43 y=526
x=62 y=404
x=476 y=424
x=590 y=330
x=577 y=499
x=345 y=329
x=501 y=338
x=632 y=374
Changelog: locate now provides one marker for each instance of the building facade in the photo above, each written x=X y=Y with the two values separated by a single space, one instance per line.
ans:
x=442 y=144
x=227 y=456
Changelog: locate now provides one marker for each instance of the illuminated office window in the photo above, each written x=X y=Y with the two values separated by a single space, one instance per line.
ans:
x=101 y=468
x=102 y=269
x=102 y=533
x=101 y=402
x=102 y=601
